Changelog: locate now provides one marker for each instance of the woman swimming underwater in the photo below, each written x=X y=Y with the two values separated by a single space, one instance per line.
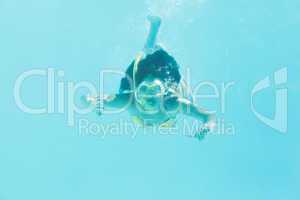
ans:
x=151 y=89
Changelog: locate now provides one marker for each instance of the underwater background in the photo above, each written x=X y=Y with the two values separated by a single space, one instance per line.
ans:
x=238 y=42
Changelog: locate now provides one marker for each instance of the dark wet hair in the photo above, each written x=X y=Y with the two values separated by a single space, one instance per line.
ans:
x=158 y=65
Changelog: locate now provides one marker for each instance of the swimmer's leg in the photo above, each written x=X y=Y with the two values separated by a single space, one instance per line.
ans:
x=117 y=101
x=154 y=29
x=208 y=118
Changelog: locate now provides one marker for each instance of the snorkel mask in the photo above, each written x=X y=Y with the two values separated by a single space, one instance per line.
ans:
x=149 y=95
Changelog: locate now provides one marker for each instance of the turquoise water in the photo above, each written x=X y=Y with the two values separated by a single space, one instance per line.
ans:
x=241 y=42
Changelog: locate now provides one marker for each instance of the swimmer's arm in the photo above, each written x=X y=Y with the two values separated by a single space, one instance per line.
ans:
x=190 y=109
x=115 y=101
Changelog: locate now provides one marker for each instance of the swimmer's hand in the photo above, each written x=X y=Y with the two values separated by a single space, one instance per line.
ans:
x=207 y=128
x=202 y=132
x=92 y=101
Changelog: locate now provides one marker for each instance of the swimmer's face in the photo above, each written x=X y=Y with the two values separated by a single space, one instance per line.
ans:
x=149 y=95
